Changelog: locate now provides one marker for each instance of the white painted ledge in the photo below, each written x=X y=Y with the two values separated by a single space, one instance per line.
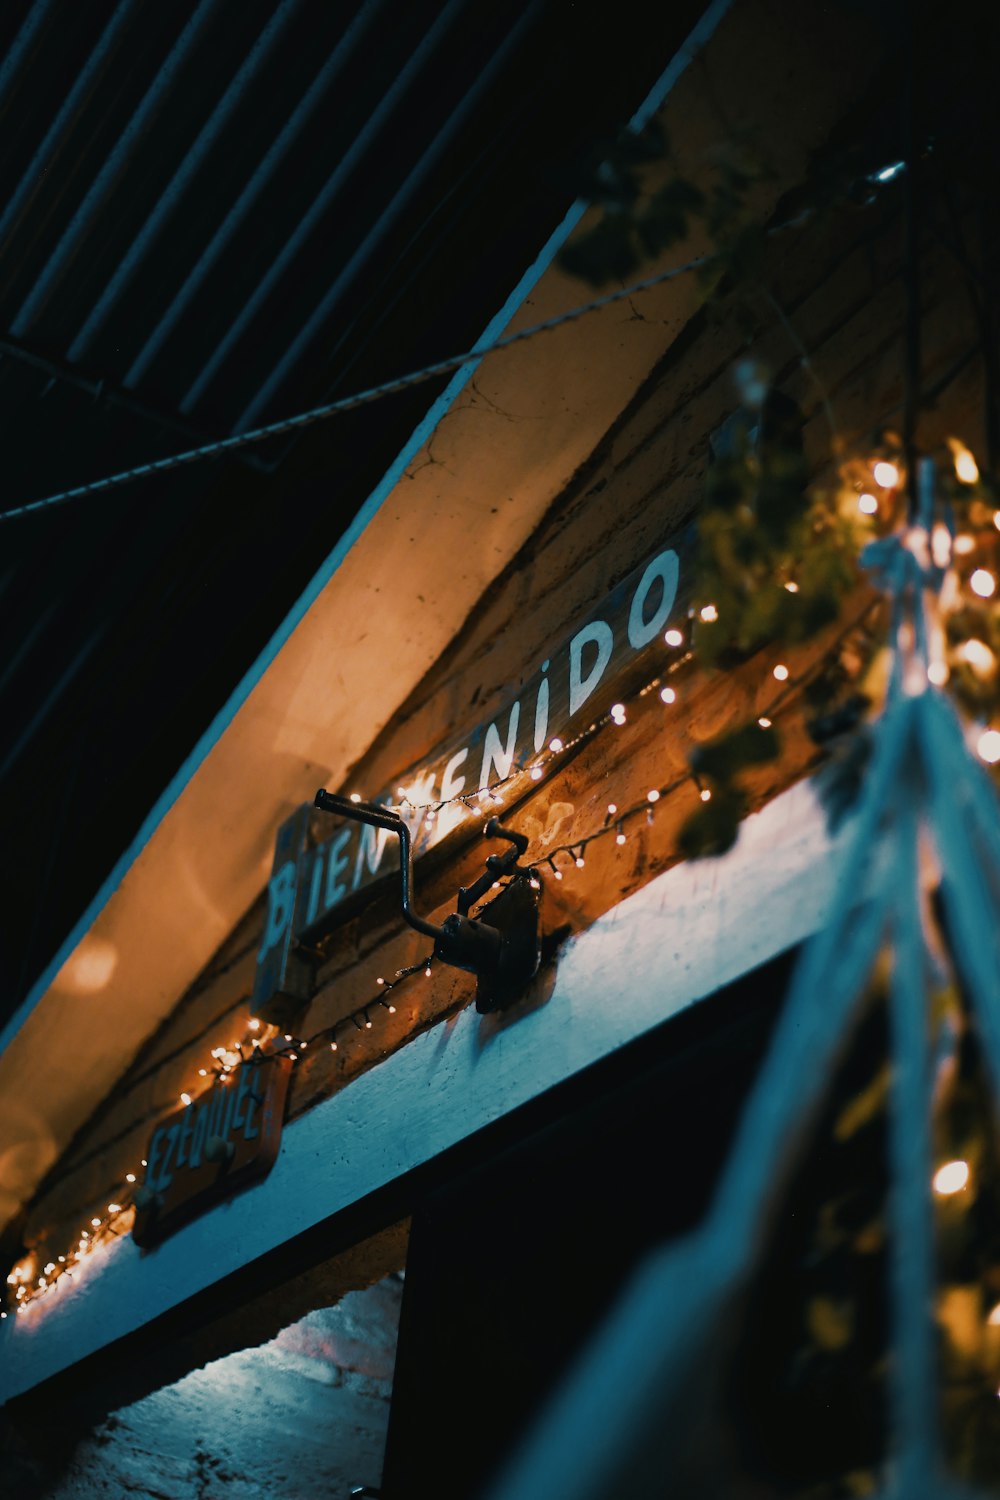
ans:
x=683 y=936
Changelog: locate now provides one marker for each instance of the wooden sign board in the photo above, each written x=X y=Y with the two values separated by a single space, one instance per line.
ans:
x=578 y=681
x=223 y=1140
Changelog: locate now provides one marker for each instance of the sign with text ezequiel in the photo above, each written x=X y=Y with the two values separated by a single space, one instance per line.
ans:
x=225 y=1139
x=312 y=878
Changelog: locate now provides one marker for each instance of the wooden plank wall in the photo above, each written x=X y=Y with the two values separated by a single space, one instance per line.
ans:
x=838 y=284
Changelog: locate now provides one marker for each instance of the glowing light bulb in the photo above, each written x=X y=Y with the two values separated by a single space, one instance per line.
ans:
x=619 y=838
x=618 y=712
x=867 y=504
x=983 y=583
x=355 y=796
x=938 y=673
x=129 y=1176
x=951 y=1178
x=978 y=655
x=202 y=1072
x=886 y=474
x=964 y=544
x=368 y=1025
x=185 y=1099
x=612 y=809
x=558 y=874
x=965 y=465
x=674 y=638
x=709 y=614
x=95 y=1223
x=392 y=1010
x=380 y=980
x=780 y=672
x=792 y=588
x=536 y=773
x=988 y=746
x=535 y=885
x=994 y=1317
x=653 y=795
x=580 y=861
x=668 y=695
x=114 y=1208
x=84 y=1237
x=706 y=795
x=333 y=1046
x=555 y=744
x=764 y=723
x=941 y=545
x=427 y=972
x=254 y=1024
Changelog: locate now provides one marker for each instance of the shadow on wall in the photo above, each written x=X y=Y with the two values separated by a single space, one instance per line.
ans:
x=302 y=1416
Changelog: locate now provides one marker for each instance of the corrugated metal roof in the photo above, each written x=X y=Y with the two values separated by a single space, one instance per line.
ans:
x=212 y=213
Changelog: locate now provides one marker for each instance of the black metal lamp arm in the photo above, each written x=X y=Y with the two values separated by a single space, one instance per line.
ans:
x=382 y=817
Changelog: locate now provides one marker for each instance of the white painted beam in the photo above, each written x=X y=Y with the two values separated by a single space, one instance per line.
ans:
x=682 y=937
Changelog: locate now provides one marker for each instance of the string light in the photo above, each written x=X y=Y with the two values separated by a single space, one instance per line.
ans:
x=886 y=474
x=964 y=544
x=867 y=504
x=966 y=467
x=983 y=583
x=780 y=672
x=765 y=723
x=705 y=794
x=951 y=1178
x=709 y=614
x=988 y=746
x=228 y=1059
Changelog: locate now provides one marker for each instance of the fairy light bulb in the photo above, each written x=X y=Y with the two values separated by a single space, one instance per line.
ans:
x=612 y=809
x=780 y=672
x=965 y=465
x=937 y=673
x=555 y=744
x=391 y=1009
x=886 y=474
x=535 y=884
x=951 y=1178
x=964 y=544
x=427 y=972
x=705 y=794
x=765 y=723
x=792 y=587
x=536 y=773
x=580 y=861
x=95 y=1223
x=355 y=796
x=254 y=1024
x=983 y=583
x=620 y=835
x=618 y=712
x=114 y=1208
x=674 y=638
x=185 y=1099
x=668 y=695
x=994 y=1317
x=867 y=504
x=988 y=746
x=653 y=795
x=978 y=655
x=129 y=1176
x=709 y=614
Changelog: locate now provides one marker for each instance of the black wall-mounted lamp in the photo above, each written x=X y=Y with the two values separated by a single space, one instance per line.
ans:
x=501 y=945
